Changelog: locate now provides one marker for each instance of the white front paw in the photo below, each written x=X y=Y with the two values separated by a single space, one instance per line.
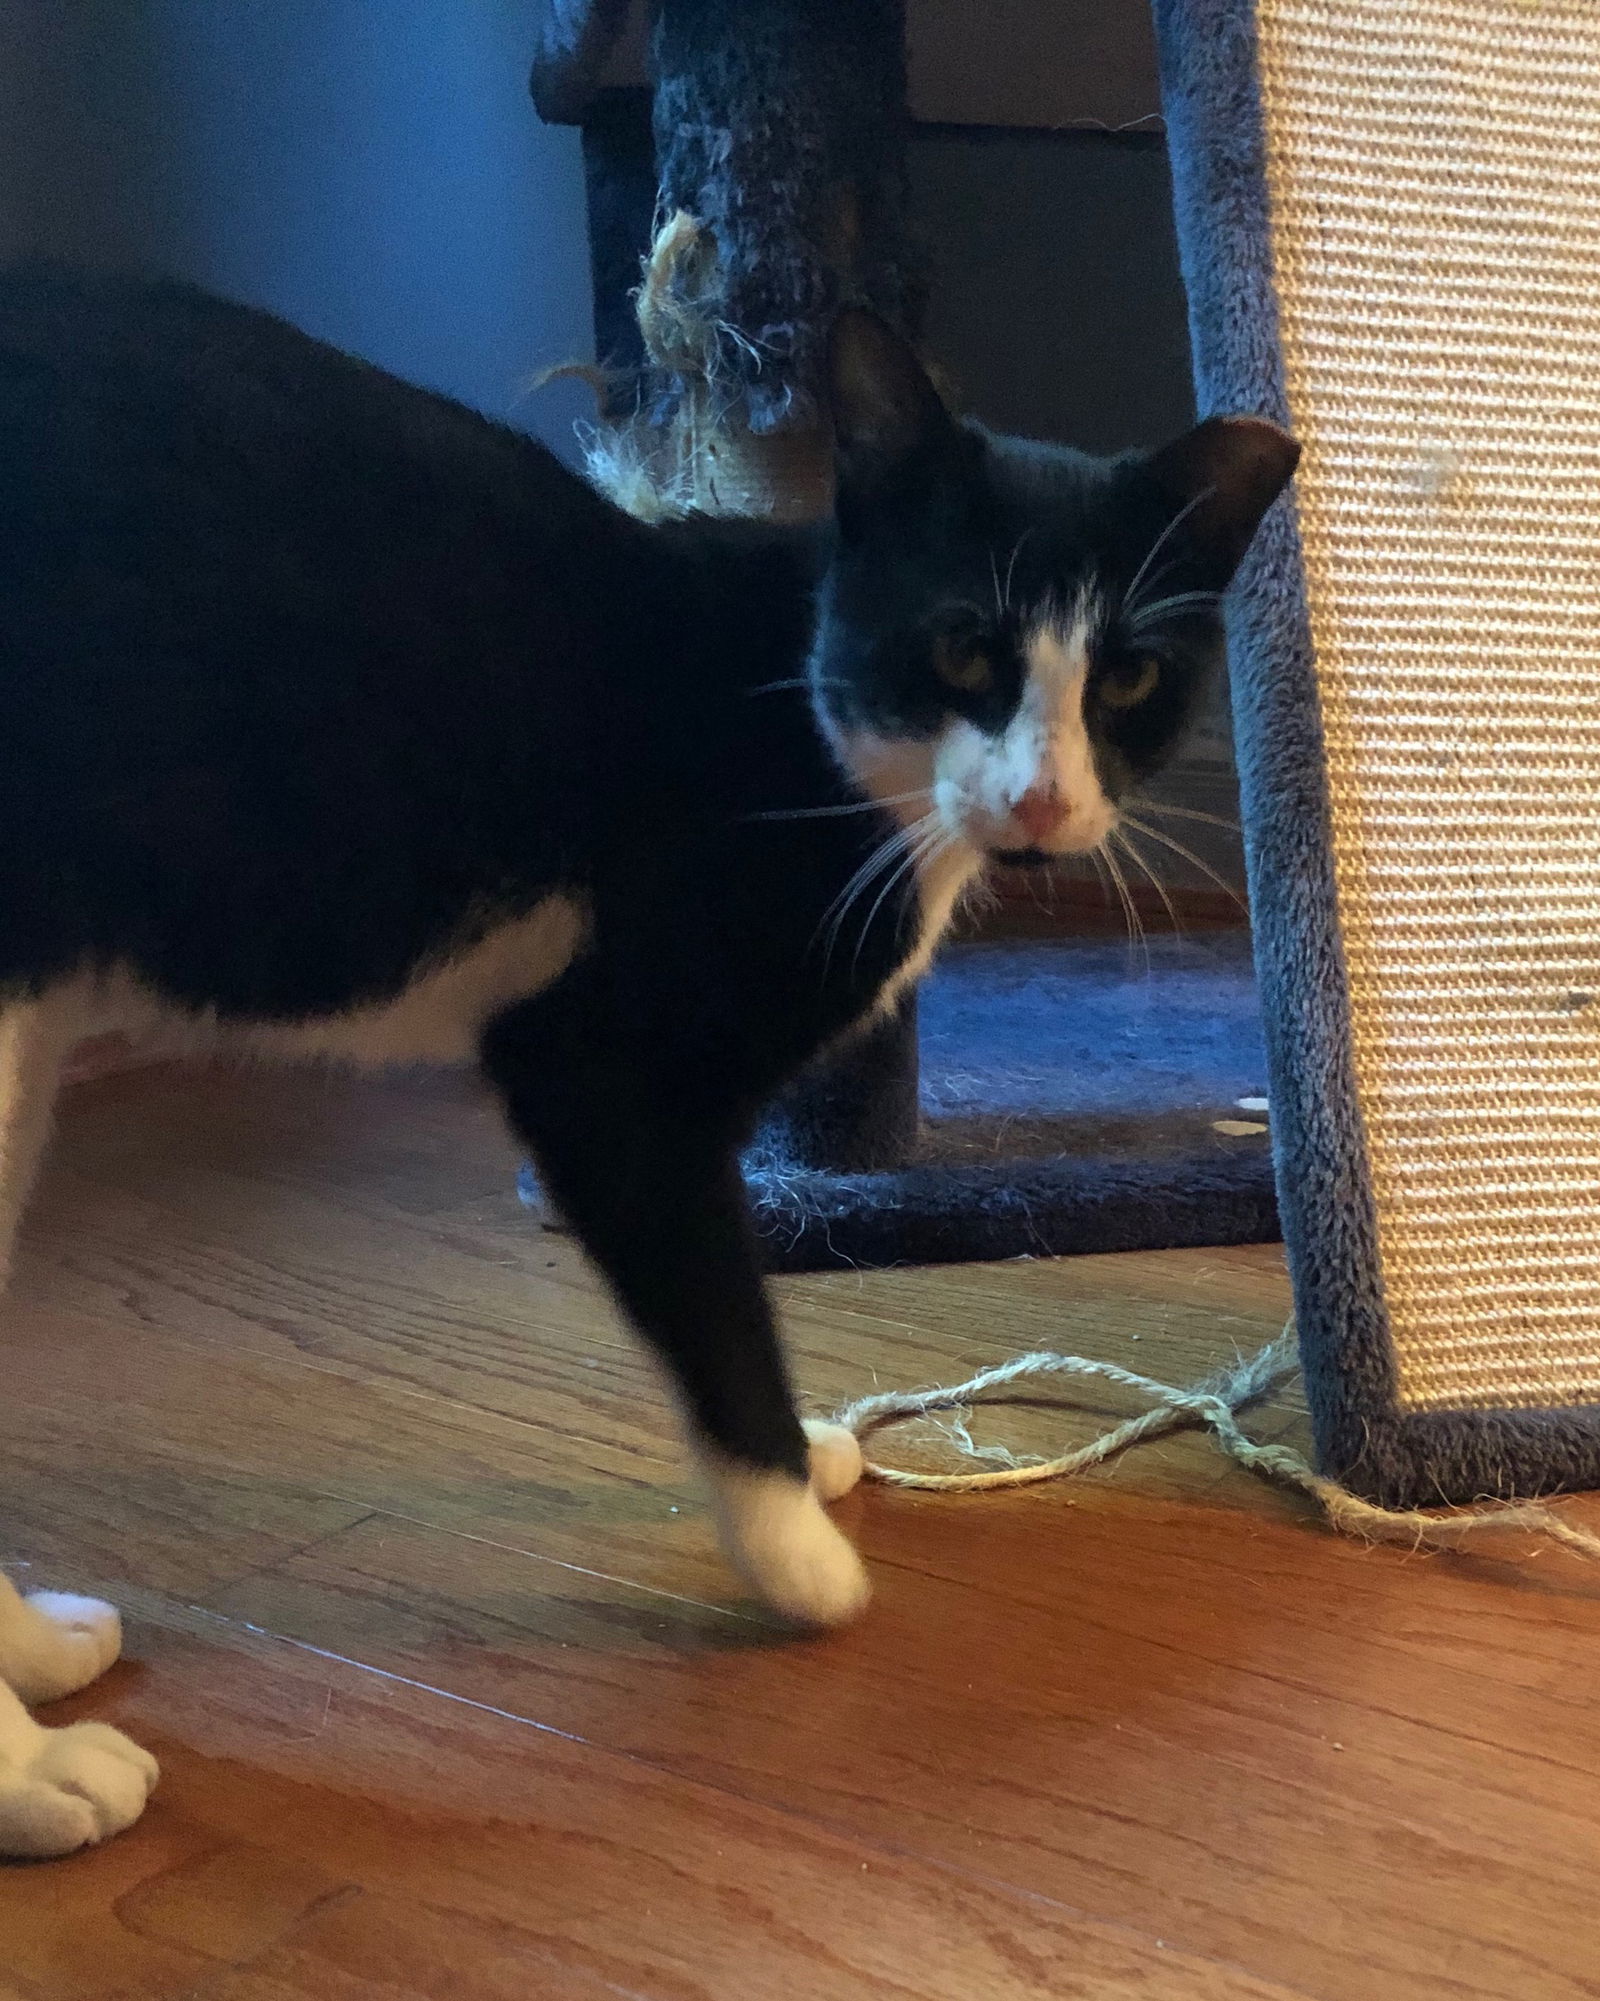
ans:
x=65 y=1789
x=785 y=1548
x=59 y=1644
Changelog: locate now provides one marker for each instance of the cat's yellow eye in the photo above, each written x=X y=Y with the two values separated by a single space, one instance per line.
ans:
x=1127 y=690
x=962 y=664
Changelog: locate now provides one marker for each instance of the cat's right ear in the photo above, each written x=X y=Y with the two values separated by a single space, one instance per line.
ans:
x=1227 y=472
x=889 y=422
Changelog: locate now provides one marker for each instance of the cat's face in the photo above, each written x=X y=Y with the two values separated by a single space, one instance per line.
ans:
x=1012 y=636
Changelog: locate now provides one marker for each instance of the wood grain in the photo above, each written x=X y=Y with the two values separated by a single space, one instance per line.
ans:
x=454 y=1697
x=315 y=1777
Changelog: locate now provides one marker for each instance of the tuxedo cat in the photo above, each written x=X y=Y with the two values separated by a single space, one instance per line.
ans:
x=340 y=722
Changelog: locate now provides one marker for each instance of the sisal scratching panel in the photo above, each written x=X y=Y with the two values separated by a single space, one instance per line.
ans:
x=1434 y=174
x=1389 y=218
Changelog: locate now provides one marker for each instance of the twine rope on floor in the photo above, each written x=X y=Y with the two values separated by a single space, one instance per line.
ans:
x=1212 y=1404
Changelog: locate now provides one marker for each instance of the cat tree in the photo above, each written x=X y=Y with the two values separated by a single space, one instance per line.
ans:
x=1389 y=213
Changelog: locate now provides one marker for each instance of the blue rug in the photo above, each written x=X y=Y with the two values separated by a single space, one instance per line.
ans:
x=1071 y=1094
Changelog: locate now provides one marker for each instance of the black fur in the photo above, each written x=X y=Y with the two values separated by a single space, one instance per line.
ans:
x=310 y=677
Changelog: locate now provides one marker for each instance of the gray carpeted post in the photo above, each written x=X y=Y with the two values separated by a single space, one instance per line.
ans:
x=856 y=1113
x=1419 y=829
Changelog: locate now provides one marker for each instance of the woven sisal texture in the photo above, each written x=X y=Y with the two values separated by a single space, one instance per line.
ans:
x=1434 y=171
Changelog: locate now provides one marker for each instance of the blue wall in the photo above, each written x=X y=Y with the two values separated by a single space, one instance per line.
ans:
x=371 y=169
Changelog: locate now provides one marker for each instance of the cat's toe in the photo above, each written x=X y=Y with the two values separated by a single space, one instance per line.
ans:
x=108 y=1740
x=835 y=1458
x=72 y=1788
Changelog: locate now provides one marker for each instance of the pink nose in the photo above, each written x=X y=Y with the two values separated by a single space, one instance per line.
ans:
x=1041 y=813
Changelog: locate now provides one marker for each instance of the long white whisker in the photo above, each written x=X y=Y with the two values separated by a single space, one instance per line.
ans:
x=1032 y=877
x=1164 y=607
x=923 y=844
x=1188 y=854
x=798 y=681
x=830 y=812
x=902 y=840
x=1011 y=567
x=994 y=572
x=1101 y=876
x=1190 y=813
x=1135 y=928
x=1172 y=563
x=1160 y=543
x=907 y=865
x=1122 y=835
x=833 y=917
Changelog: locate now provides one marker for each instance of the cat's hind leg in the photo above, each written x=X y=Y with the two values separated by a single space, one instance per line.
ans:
x=61 y=1789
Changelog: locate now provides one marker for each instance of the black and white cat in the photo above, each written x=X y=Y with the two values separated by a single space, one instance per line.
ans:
x=340 y=722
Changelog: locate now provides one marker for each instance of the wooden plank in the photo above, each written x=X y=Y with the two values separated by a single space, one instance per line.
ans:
x=465 y=1825
x=287 y=1349
x=375 y=1948
x=1167 y=1715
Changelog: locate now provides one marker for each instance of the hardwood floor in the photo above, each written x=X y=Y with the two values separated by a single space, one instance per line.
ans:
x=454 y=1698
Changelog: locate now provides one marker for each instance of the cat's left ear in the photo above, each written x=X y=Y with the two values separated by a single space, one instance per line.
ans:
x=889 y=422
x=1226 y=472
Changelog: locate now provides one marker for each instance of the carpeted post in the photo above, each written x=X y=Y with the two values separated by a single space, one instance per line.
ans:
x=857 y=1113
x=1390 y=224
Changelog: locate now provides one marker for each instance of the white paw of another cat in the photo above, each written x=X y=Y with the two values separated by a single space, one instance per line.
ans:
x=782 y=1544
x=61 y=1790
x=835 y=1458
x=57 y=1643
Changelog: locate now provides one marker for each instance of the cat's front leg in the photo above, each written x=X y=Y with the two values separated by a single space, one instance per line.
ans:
x=648 y=1177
